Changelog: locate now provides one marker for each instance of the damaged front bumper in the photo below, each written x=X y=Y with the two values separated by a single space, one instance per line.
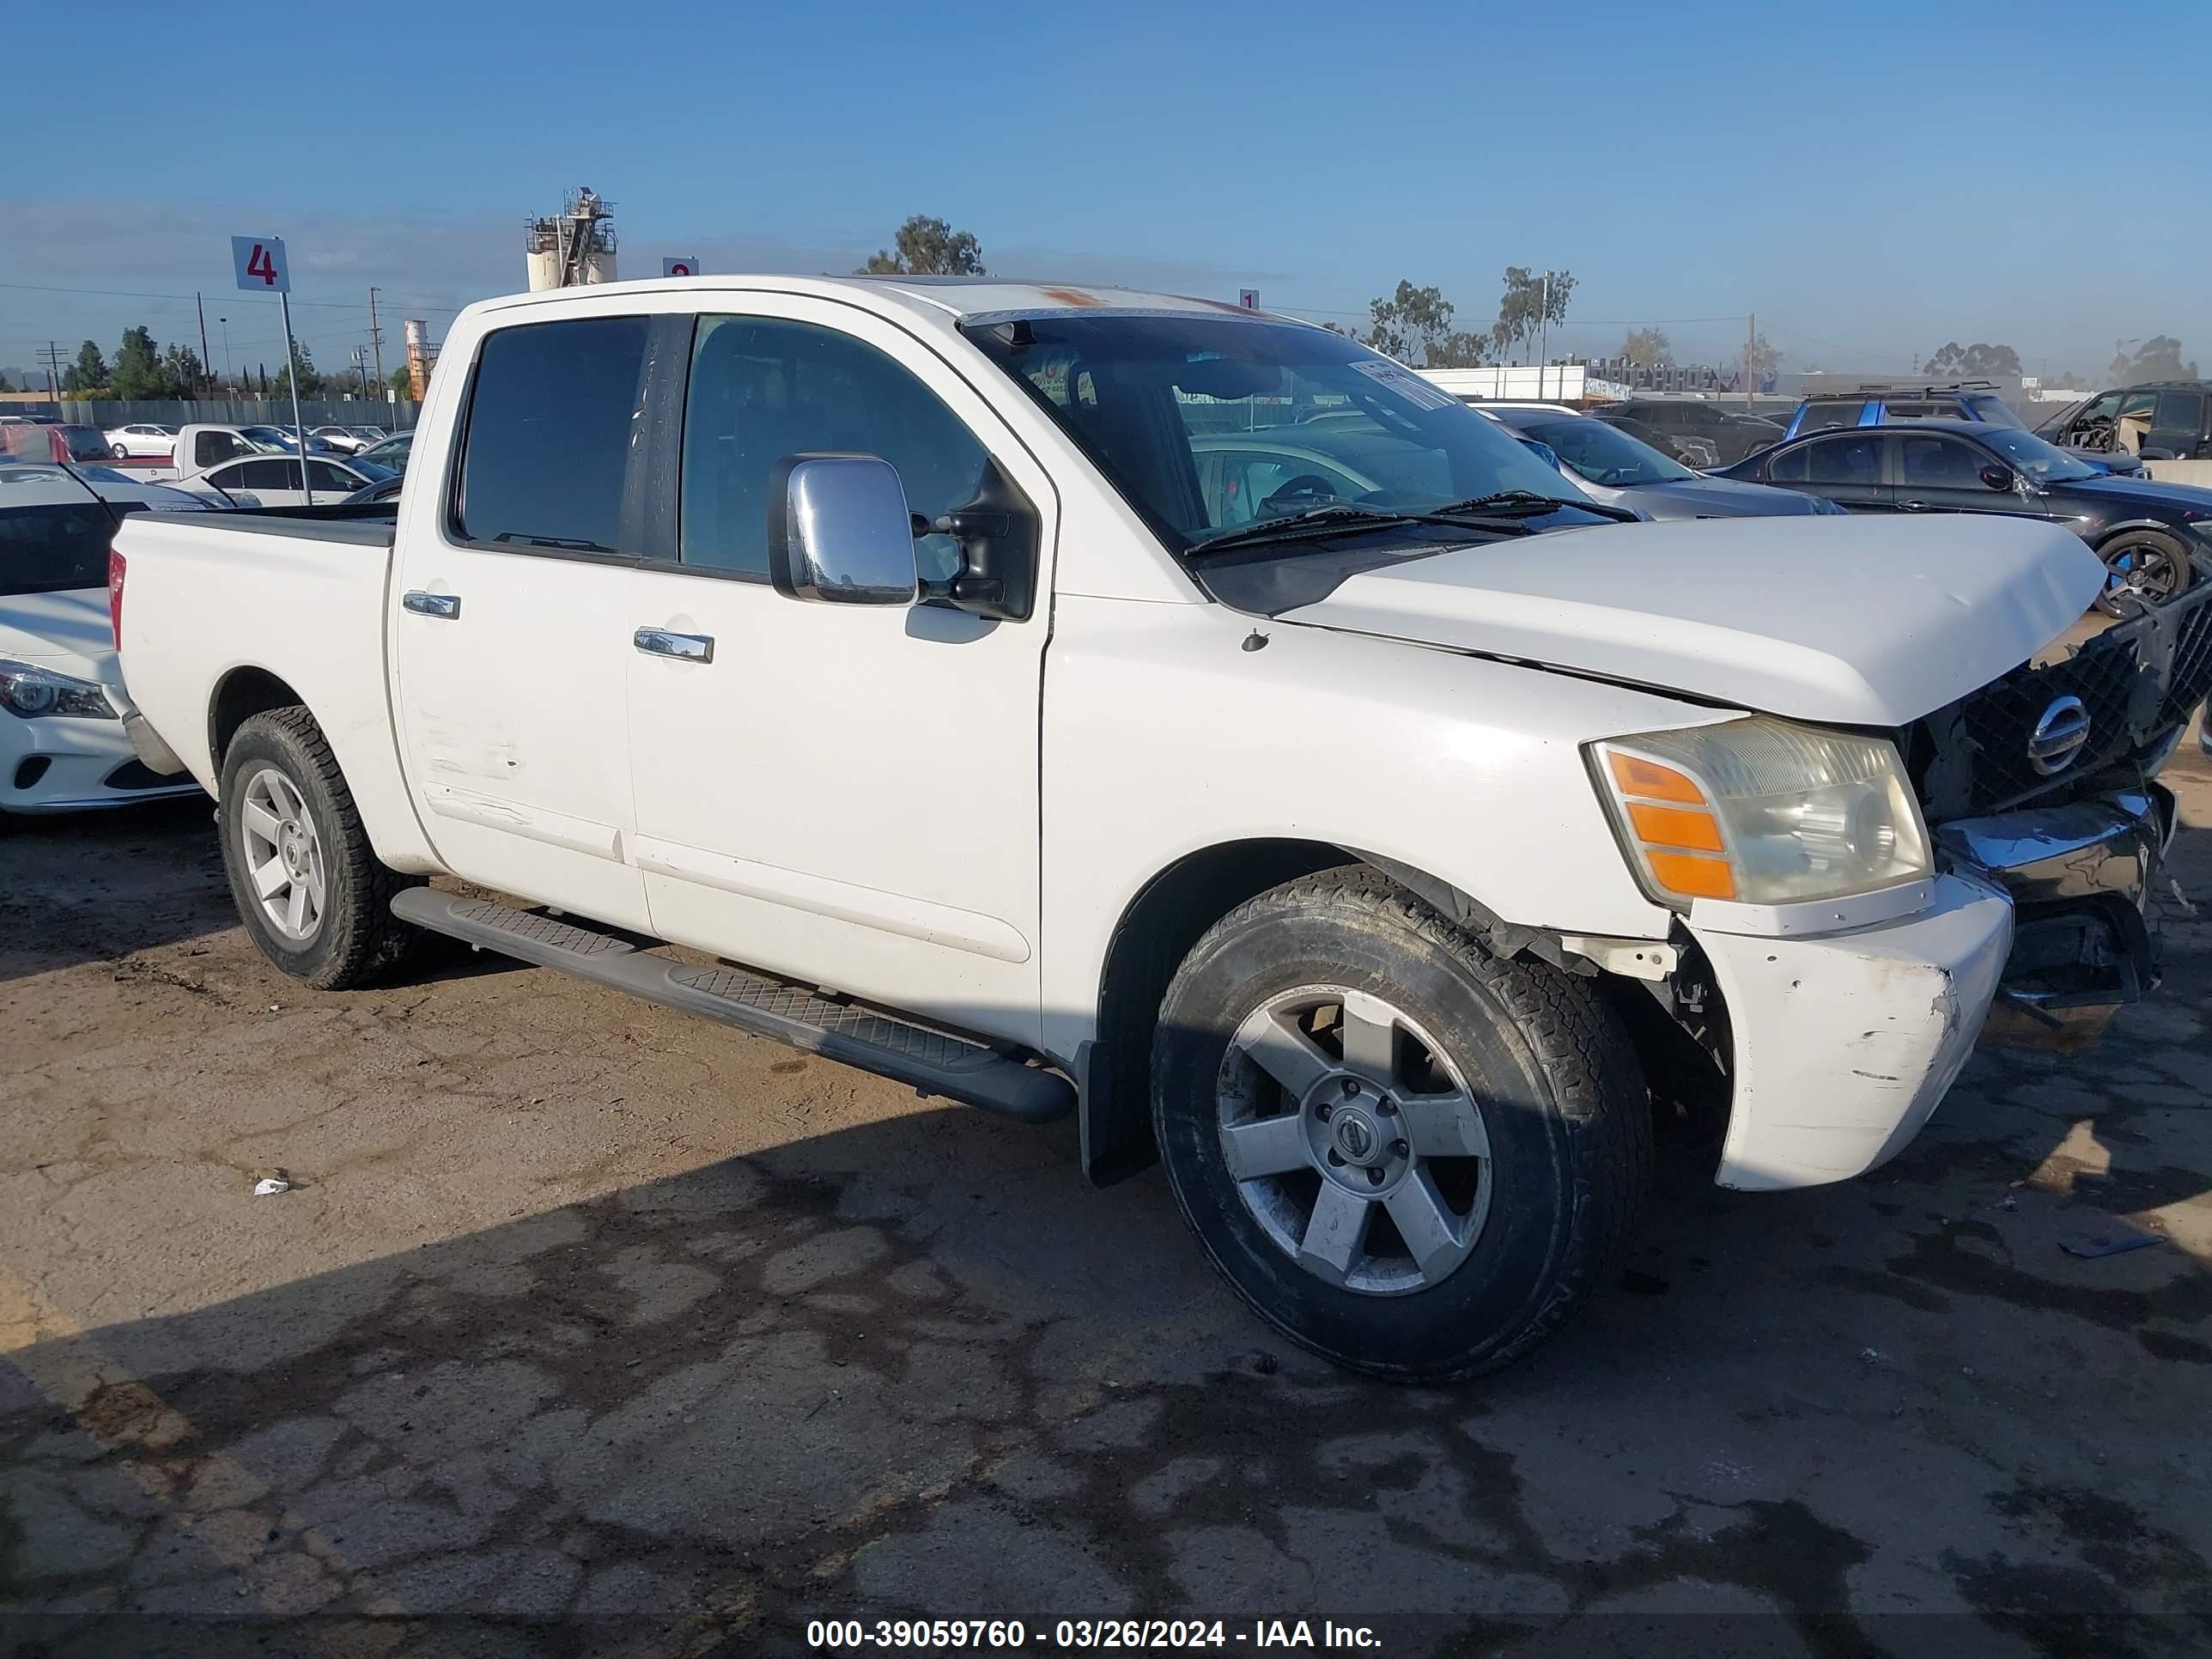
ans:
x=1844 y=1043
x=2080 y=878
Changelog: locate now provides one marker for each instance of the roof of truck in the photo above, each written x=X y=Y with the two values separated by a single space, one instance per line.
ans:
x=953 y=299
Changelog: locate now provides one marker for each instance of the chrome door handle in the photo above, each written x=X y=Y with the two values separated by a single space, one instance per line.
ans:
x=445 y=605
x=686 y=648
x=1913 y=507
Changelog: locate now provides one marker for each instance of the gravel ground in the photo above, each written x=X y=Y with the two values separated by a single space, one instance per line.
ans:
x=587 y=1327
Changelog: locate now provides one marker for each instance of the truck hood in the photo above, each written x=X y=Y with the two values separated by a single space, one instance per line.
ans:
x=1850 y=621
x=69 y=632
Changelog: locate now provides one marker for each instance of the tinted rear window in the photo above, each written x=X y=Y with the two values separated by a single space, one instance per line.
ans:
x=549 y=432
x=1827 y=414
x=49 y=549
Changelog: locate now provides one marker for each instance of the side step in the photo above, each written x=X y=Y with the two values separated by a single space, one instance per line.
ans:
x=959 y=1068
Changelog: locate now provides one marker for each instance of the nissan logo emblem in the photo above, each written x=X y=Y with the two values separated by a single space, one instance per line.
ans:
x=2059 y=736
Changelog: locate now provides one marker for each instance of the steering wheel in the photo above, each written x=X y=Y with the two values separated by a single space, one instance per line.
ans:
x=1304 y=490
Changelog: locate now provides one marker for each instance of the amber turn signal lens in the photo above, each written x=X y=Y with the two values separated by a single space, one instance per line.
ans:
x=1673 y=826
x=1636 y=776
x=1690 y=876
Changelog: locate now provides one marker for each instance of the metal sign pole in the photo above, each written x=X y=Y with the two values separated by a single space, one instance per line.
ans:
x=292 y=374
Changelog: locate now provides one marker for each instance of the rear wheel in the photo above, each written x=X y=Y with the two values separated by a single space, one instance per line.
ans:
x=2142 y=565
x=309 y=888
x=1407 y=1154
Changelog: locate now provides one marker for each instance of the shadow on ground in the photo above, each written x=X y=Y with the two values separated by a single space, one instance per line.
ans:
x=909 y=1366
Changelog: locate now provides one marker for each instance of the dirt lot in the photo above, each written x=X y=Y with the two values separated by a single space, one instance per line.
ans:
x=590 y=1328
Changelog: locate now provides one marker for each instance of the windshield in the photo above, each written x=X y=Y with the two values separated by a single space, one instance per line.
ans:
x=54 y=533
x=1607 y=455
x=268 y=439
x=1992 y=409
x=1209 y=425
x=2046 y=463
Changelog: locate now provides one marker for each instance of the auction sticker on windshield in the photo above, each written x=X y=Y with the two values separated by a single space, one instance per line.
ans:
x=1403 y=381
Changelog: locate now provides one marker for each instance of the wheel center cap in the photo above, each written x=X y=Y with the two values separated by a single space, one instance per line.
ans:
x=1356 y=1136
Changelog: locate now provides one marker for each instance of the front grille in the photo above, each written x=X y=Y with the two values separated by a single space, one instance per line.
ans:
x=2191 y=678
x=2138 y=680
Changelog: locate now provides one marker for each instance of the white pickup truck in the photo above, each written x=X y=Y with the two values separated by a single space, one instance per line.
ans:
x=984 y=683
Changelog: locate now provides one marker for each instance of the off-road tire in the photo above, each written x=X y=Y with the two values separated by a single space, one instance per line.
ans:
x=1568 y=1116
x=359 y=940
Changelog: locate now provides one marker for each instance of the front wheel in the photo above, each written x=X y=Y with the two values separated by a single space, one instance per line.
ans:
x=2142 y=565
x=1408 y=1155
x=308 y=886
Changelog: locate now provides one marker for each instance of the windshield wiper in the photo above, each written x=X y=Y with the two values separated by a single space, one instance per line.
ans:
x=1319 y=521
x=1526 y=503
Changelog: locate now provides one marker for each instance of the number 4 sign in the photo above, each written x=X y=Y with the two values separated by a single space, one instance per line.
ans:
x=259 y=263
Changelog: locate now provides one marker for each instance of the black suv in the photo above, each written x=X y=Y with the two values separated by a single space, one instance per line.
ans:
x=2161 y=419
x=2154 y=538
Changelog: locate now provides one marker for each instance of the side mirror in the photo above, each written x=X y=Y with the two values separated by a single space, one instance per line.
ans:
x=1997 y=478
x=839 y=531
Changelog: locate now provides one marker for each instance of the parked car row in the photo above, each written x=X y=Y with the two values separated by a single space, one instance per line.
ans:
x=1980 y=401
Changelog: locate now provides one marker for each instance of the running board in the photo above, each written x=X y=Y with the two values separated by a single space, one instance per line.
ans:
x=959 y=1068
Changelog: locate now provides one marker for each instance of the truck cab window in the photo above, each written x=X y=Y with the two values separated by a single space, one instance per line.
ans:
x=547 y=439
x=761 y=389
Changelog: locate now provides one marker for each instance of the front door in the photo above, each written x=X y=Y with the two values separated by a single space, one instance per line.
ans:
x=1938 y=473
x=844 y=793
x=516 y=579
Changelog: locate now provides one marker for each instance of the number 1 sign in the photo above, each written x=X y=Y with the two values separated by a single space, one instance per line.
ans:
x=259 y=263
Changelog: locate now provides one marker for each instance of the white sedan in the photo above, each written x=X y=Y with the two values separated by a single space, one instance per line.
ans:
x=145 y=438
x=274 y=480
x=348 y=439
x=62 y=742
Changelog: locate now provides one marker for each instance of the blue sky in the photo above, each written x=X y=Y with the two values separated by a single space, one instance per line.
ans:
x=1871 y=179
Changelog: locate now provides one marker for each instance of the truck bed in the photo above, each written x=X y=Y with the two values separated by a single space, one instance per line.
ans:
x=366 y=526
x=260 y=607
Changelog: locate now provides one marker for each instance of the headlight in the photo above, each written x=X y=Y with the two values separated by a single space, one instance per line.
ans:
x=31 y=691
x=1762 y=811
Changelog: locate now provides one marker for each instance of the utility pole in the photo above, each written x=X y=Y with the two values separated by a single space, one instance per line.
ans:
x=1750 y=340
x=375 y=337
x=1543 y=331
x=54 y=372
x=207 y=369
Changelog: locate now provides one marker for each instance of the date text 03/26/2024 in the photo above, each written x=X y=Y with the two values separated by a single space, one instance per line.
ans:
x=1008 y=1634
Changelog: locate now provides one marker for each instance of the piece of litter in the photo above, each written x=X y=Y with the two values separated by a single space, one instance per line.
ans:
x=2116 y=1240
x=1870 y=1355
x=272 y=1007
x=268 y=1185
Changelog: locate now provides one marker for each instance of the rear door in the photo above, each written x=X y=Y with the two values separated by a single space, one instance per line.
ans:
x=1848 y=468
x=848 y=793
x=2176 y=427
x=510 y=627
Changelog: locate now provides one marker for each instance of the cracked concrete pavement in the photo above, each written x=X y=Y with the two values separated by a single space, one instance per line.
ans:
x=590 y=1328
